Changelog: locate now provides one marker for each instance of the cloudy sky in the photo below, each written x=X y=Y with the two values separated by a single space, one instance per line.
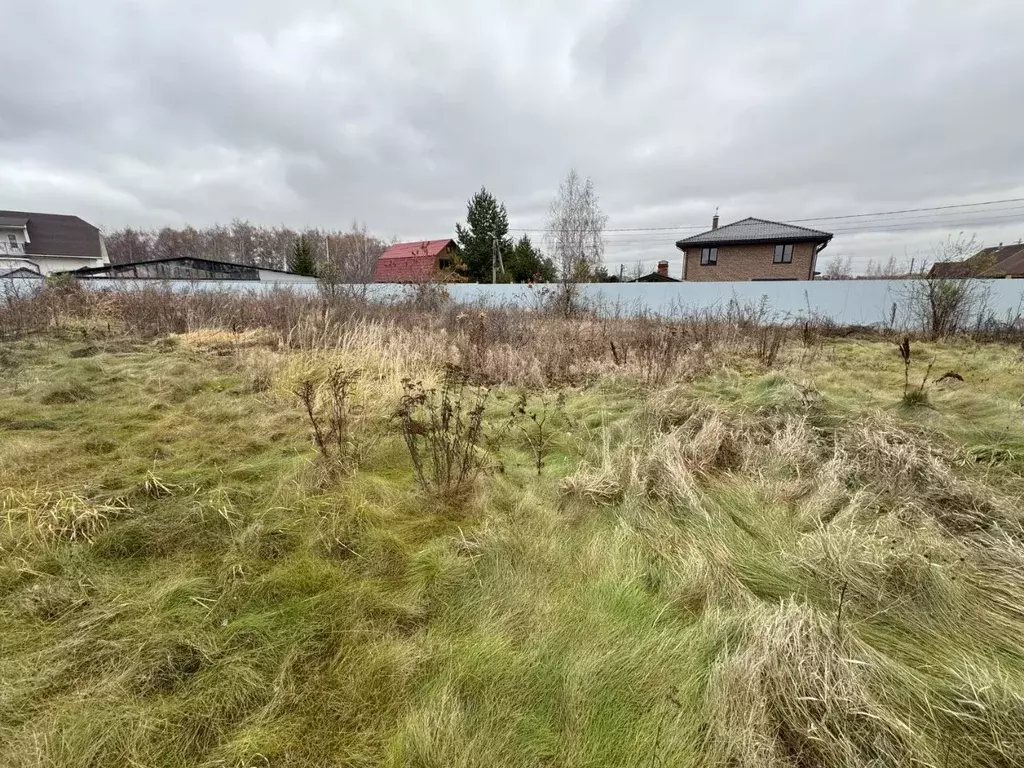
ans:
x=393 y=112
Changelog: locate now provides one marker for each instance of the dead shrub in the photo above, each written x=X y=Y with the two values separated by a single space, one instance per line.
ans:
x=539 y=424
x=650 y=346
x=330 y=411
x=918 y=396
x=769 y=341
x=443 y=430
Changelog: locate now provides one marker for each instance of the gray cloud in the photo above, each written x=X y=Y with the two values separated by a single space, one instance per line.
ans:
x=395 y=113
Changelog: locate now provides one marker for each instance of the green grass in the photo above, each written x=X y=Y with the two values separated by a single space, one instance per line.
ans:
x=782 y=569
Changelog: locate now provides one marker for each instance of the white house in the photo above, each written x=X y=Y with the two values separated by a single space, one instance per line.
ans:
x=50 y=242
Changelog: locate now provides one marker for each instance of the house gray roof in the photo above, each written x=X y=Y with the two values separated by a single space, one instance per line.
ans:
x=13 y=221
x=53 y=234
x=751 y=230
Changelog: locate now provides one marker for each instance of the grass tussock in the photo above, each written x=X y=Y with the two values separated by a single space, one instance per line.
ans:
x=47 y=518
x=796 y=691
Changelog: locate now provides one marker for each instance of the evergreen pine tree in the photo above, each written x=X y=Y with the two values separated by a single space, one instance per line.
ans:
x=485 y=221
x=525 y=263
x=302 y=261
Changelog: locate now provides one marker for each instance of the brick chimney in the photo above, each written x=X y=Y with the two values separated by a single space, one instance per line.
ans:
x=663 y=268
x=714 y=221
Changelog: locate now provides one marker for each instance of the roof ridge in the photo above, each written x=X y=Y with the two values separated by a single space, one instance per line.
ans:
x=44 y=213
x=416 y=248
x=787 y=224
x=754 y=229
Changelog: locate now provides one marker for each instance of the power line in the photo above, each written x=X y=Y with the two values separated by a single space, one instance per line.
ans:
x=914 y=210
x=893 y=225
x=796 y=221
x=898 y=225
x=930 y=217
x=620 y=229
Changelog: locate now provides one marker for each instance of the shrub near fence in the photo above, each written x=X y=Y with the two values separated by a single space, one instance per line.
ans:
x=490 y=343
x=843 y=302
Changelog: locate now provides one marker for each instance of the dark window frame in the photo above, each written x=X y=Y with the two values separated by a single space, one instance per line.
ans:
x=786 y=254
x=444 y=261
x=709 y=257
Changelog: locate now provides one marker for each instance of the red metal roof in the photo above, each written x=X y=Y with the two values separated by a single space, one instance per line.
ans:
x=419 y=248
x=414 y=262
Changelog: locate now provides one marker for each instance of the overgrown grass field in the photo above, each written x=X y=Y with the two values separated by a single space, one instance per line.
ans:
x=741 y=562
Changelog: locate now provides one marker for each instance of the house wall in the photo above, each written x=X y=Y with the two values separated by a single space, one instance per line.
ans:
x=282 y=277
x=50 y=264
x=411 y=269
x=18 y=249
x=750 y=262
x=7 y=263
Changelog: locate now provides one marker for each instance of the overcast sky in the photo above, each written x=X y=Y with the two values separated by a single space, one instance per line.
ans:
x=167 y=112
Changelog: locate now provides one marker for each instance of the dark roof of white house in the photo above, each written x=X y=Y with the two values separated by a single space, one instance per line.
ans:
x=750 y=231
x=54 y=234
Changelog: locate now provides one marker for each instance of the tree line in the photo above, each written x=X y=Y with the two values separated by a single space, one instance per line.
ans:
x=574 y=240
x=348 y=256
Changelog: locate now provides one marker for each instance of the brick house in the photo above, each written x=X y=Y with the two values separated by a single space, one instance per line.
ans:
x=418 y=262
x=752 y=249
x=997 y=261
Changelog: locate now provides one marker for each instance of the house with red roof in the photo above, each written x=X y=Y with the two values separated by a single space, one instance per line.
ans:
x=416 y=262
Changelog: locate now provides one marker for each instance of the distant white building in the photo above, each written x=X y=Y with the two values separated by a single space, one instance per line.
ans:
x=49 y=242
x=18 y=268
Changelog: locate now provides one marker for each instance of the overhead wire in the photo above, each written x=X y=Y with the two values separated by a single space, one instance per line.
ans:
x=866 y=218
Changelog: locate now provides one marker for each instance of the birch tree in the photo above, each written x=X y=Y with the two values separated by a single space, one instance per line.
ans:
x=576 y=229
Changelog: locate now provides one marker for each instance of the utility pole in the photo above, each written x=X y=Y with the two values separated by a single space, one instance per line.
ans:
x=496 y=260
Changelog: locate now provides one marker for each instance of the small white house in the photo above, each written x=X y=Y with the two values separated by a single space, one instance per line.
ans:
x=10 y=268
x=51 y=242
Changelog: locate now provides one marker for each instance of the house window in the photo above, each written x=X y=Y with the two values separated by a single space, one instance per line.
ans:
x=783 y=254
x=708 y=257
x=12 y=242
